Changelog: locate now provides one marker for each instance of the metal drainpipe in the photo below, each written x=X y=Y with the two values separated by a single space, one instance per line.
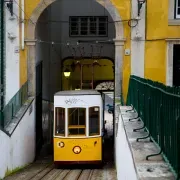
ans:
x=2 y=62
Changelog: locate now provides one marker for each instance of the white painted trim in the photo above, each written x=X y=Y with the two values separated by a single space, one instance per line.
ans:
x=174 y=22
x=66 y=122
x=177 y=15
x=171 y=7
x=101 y=120
x=175 y=40
x=30 y=42
x=169 y=61
x=87 y=121
x=138 y=46
x=76 y=137
x=119 y=41
x=22 y=24
x=54 y=124
x=12 y=53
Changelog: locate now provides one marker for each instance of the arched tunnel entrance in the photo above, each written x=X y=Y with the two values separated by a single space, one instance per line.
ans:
x=79 y=34
x=78 y=39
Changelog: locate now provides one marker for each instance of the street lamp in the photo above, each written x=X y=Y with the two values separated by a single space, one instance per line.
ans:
x=140 y=3
x=67 y=73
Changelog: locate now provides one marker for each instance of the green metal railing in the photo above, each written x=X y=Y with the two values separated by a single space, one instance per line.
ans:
x=159 y=108
x=14 y=105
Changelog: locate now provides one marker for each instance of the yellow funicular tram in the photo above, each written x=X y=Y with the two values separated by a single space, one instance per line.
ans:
x=78 y=127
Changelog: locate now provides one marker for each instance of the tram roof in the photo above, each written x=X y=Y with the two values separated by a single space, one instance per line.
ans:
x=77 y=92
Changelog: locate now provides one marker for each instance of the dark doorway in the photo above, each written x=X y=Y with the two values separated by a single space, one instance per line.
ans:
x=176 y=65
x=39 y=137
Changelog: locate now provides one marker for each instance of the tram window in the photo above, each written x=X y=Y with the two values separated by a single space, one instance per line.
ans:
x=76 y=121
x=60 y=121
x=94 y=121
x=77 y=131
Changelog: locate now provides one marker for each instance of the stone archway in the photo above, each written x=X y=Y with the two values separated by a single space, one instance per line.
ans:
x=31 y=42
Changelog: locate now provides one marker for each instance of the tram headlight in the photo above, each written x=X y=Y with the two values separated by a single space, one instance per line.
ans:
x=61 y=144
x=76 y=149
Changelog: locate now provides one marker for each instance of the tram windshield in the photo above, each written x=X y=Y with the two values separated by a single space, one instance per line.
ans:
x=76 y=121
x=94 y=121
x=60 y=121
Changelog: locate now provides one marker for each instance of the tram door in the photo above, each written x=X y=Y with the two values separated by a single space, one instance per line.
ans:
x=39 y=137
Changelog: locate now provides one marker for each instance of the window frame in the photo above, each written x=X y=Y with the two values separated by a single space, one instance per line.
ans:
x=99 y=121
x=177 y=16
x=77 y=126
x=88 y=26
x=55 y=122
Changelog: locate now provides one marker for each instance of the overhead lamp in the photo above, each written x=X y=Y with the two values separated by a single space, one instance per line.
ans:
x=140 y=3
x=67 y=73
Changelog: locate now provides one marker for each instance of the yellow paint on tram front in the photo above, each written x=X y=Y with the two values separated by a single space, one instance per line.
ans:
x=91 y=149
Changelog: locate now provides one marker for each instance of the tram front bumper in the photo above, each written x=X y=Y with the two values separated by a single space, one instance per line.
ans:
x=78 y=150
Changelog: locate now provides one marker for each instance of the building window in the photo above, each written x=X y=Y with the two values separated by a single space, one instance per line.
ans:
x=88 y=26
x=176 y=64
x=177 y=9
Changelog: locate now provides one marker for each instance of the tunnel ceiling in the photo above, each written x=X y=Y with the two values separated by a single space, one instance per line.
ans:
x=84 y=31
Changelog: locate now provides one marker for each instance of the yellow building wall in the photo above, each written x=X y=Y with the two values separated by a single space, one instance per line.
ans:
x=28 y=9
x=157 y=31
x=124 y=9
x=155 y=61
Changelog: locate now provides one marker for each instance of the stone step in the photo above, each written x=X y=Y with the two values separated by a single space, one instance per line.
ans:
x=155 y=168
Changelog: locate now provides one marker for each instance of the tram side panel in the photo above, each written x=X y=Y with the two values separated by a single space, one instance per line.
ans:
x=80 y=149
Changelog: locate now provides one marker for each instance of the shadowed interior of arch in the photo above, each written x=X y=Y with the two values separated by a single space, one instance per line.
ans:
x=85 y=34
